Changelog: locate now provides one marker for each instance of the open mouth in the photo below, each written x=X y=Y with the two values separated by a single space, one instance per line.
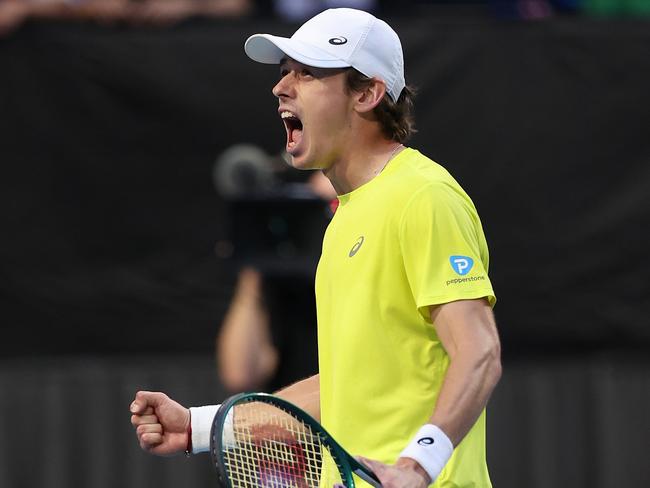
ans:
x=294 y=129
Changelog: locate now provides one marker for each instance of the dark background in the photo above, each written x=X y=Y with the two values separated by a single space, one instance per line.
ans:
x=109 y=217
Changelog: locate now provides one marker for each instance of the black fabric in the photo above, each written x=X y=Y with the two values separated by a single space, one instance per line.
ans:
x=109 y=216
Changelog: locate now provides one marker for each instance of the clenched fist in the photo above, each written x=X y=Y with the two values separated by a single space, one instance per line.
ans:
x=161 y=424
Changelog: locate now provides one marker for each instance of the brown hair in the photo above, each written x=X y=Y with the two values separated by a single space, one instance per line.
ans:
x=396 y=118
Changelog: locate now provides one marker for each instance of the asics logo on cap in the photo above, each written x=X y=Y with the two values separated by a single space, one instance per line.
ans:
x=337 y=41
x=370 y=46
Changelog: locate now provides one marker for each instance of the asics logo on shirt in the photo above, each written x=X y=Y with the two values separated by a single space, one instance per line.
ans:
x=356 y=247
x=461 y=264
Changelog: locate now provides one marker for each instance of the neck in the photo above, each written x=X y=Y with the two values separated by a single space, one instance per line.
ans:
x=361 y=162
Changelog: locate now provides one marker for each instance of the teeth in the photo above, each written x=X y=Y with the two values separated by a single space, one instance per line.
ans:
x=288 y=115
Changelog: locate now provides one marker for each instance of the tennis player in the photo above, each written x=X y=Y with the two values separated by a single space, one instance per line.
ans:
x=408 y=348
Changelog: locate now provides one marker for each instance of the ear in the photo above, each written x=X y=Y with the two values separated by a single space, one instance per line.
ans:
x=370 y=97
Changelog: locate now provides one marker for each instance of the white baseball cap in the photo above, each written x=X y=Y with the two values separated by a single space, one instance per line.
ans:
x=339 y=38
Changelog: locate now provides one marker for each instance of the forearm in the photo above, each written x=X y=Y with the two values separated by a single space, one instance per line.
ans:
x=305 y=394
x=469 y=382
x=468 y=333
x=245 y=354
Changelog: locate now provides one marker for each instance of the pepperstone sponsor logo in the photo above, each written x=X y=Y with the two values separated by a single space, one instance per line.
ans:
x=465 y=280
x=461 y=264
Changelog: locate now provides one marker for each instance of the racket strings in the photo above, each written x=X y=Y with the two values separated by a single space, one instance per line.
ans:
x=272 y=449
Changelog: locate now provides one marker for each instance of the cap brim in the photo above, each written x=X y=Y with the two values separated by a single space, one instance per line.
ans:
x=265 y=48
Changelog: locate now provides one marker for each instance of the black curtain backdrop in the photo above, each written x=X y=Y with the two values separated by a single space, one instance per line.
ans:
x=109 y=219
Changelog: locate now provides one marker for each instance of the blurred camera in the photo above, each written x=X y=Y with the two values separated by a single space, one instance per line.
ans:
x=275 y=221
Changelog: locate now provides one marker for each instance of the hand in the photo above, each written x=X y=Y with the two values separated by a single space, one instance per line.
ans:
x=12 y=15
x=161 y=424
x=405 y=473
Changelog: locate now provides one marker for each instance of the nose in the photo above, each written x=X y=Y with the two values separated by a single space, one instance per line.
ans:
x=284 y=87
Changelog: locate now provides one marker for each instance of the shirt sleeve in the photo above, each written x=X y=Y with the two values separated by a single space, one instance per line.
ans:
x=444 y=248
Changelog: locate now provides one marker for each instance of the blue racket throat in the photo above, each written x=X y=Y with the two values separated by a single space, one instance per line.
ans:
x=260 y=440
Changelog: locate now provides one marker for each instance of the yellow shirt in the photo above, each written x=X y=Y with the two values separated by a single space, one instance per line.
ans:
x=408 y=239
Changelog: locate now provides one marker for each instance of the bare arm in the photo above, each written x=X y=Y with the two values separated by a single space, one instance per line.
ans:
x=305 y=394
x=468 y=333
x=162 y=425
x=246 y=357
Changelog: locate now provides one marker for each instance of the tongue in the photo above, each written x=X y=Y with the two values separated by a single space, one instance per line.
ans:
x=296 y=136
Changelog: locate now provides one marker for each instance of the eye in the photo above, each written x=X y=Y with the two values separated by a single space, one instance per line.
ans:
x=283 y=72
x=306 y=72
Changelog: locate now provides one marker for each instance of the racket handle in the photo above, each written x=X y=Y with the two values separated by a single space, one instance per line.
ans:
x=368 y=476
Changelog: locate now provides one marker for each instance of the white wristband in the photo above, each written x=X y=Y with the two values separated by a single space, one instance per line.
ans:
x=202 y=418
x=431 y=448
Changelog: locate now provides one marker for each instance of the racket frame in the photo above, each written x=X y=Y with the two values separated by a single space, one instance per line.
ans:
x=345 y=463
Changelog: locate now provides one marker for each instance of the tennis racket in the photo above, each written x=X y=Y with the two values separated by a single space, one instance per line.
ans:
x=262 y=441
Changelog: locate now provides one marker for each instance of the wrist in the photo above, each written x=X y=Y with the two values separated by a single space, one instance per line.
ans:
x=199 y=429
x=413 y=465
x=431 y=449
x=188 y=445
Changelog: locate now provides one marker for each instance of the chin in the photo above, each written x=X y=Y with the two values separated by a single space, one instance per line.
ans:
x=301 y=161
